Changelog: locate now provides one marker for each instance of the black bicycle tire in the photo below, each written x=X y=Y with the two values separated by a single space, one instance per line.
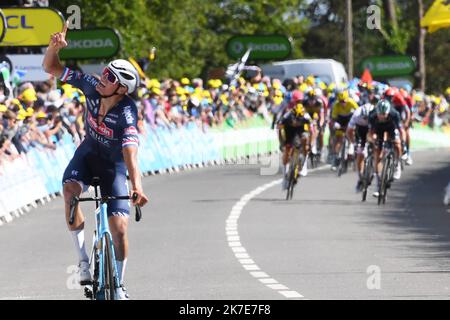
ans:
x=290 y=179
x=294 y=178
x=289 y=185
x=391 y=169
x=384 y=177
x=109 y=270
x=365 y=180
x=95 y=276
x=311 y=159
x=342 y=159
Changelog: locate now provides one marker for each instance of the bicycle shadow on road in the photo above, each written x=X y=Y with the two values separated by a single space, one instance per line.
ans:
x=415 y=214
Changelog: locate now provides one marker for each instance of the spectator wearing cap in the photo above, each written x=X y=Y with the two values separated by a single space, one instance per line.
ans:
x=28 y=97
x=3 y=109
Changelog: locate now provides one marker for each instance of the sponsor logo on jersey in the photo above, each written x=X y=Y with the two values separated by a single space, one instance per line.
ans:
x=99 y=137
x=91 y=80
x=128 y=114
x=102 y=129
x=110 y=120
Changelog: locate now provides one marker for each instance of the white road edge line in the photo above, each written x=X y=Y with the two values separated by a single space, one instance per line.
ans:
x=240 y=252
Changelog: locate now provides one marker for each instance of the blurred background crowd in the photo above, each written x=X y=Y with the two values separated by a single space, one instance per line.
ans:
x=37 y=115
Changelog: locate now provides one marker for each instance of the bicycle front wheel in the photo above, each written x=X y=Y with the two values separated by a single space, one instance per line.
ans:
x=108 y=270
x=384 y=180
x=365 y=179
x=342 y=159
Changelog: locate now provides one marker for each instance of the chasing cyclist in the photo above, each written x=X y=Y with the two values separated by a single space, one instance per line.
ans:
x=315 y=107
x=108 y=150
x=357 y=131
x=341 y=113
x=399 y=103
x=294 y=122
x=385 y=125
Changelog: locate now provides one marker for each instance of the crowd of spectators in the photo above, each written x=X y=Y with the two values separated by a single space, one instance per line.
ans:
x=39 y=114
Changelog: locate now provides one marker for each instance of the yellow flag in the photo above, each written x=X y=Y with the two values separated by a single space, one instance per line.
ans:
x=138 y=68
x=437 y=17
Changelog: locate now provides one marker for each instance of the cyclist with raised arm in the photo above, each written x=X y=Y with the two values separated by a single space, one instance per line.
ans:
x=108 y=150
x=385 y=125
x=294 y=122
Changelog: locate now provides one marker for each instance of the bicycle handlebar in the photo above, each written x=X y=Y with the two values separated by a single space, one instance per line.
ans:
x=74 y=201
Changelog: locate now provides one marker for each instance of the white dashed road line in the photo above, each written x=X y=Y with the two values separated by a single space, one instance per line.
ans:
x=241 y=253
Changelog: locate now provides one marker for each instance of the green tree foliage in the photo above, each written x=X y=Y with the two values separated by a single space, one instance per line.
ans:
x=190 y=35
x=326 y=37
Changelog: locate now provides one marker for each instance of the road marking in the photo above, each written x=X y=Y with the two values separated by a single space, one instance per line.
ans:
x=268 y=281
x=241 y=253
x=246 y=261
x=259 y=274
x=251 y=267
x=277 y=286
x=291 y=294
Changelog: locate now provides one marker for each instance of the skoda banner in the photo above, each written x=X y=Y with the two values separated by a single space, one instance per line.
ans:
x=91 y=43
x=30 y=26
x=388 y=66
x=264 y=47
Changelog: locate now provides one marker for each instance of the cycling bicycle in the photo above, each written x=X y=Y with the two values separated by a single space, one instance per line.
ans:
x=387 y=176
x=367 y=175
x=102 y=258
x=295 y=165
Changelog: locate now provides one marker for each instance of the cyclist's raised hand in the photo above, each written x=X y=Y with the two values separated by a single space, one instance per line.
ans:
x=58 y=39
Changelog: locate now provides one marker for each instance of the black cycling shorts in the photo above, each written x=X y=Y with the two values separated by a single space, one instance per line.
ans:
x=113 y=178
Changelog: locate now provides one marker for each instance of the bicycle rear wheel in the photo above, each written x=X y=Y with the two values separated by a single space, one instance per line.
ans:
x=108 y=270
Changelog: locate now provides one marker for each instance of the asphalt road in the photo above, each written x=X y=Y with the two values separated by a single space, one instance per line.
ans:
x=319 y=245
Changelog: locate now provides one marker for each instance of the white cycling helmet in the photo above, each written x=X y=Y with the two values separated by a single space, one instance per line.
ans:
x=366 y=109
x=126 y=73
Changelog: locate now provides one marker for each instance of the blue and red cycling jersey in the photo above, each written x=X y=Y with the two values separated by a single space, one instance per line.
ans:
x=119 y=126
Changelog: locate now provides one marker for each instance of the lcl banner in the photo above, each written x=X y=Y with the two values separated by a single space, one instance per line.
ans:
x=30 y=26
x=2 y=25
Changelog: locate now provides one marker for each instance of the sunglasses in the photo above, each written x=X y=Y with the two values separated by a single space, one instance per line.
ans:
x=110 y=76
